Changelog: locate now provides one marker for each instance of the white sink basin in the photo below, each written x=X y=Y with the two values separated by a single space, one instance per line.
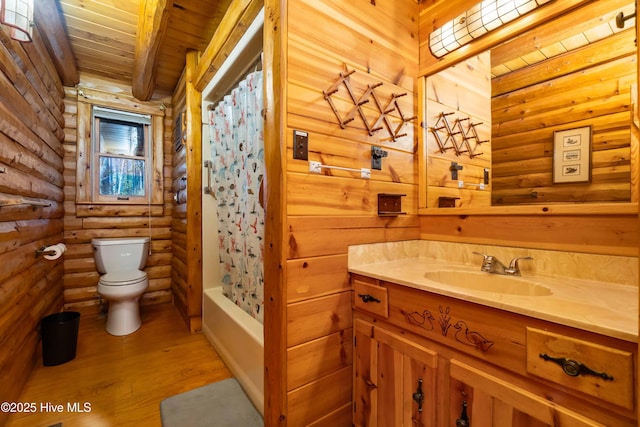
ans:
x=488 y=282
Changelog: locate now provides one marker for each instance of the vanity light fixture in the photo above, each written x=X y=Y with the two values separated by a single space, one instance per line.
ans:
x=477 y=21
x=17 y=15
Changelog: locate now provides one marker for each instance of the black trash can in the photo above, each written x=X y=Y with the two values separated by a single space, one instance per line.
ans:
x=59 y=337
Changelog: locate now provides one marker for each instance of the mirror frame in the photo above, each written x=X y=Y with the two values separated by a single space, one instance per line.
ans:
x=432 y=65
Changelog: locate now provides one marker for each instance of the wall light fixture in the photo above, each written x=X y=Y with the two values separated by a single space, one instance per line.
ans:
x=18 y=16
x=477 y=21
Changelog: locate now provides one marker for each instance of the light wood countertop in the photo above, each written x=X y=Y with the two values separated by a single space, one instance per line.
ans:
x=602 y=307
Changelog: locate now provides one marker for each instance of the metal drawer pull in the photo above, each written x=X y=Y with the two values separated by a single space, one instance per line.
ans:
x=368 y=298
x=574 y=368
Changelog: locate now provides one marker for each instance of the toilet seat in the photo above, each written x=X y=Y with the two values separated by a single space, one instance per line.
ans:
x=122 y=278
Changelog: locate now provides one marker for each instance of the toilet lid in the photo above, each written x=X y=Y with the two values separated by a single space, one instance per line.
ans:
x=117 y=278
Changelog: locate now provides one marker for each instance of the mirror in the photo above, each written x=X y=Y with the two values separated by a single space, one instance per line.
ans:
x=543 y=118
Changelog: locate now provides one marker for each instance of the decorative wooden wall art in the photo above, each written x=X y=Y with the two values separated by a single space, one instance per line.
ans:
x=383 y=120
x=456 y=137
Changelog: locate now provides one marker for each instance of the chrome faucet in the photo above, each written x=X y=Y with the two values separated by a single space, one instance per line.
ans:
x=491 y=264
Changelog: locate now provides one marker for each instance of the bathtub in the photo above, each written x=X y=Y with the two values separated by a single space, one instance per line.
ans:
x=239 y=340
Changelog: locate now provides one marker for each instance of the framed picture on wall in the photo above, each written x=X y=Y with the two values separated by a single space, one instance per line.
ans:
x=572 y=155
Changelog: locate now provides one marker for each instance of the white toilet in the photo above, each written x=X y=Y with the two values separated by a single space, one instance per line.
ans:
x=124 y=282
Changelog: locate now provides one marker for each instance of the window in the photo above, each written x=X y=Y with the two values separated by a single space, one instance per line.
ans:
x=119 y=159
x=121 y=153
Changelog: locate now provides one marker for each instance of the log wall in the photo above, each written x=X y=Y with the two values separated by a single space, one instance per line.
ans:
x=186 y=181
x=31 y=167
x=83 y=222
x=180 y=261
x=588 y=86
x=328 y=211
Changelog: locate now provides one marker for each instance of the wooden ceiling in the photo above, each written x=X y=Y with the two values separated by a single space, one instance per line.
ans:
x=108 y=38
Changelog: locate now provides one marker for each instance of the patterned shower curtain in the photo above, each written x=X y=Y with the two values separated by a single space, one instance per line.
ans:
x=237 y=149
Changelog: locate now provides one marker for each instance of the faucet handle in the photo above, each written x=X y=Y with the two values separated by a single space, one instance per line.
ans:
x=513 y=265
x=486 y=261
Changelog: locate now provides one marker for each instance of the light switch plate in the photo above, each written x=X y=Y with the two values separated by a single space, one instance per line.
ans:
x=300 y=145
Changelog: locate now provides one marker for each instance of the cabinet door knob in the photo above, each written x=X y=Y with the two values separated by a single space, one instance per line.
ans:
x=418 y=396
x=368 y=298
x=574 y=368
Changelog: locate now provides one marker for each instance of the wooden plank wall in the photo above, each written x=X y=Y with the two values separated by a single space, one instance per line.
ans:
x=327 y=212
x=31 y=166
x=463 y=92
x=84 y=222
x=588 y=86
x=598 y=234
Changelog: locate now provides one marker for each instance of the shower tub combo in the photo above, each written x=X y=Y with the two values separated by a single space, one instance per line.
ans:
x=237 y=336
x=239 y=339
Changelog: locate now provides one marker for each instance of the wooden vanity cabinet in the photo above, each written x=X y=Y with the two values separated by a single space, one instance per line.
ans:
x=448 y=353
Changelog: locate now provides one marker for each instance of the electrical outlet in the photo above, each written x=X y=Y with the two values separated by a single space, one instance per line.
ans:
x=300 y=145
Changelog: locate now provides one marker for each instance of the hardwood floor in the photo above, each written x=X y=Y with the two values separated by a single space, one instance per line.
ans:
x=122 y=379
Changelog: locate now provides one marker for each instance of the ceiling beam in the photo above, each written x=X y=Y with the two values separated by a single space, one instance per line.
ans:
x=49 y=20
x=153 y=21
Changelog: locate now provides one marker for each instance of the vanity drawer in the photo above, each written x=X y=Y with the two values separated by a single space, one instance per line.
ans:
x=370 y=298
x=604 y=372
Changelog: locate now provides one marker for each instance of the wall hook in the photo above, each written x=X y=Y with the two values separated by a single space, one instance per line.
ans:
x=383 y=119
x=454 y=168
x=455 y=136
x=620 y=19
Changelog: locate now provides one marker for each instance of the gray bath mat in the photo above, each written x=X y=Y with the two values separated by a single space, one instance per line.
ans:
x=221 y=404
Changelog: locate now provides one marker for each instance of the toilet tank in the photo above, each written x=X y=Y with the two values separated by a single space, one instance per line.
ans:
x=120 y=254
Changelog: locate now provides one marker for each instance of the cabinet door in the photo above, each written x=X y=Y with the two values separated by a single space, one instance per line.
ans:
x=365 y=375
x=406 y=381
x=492 y=401
x=394 y=379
